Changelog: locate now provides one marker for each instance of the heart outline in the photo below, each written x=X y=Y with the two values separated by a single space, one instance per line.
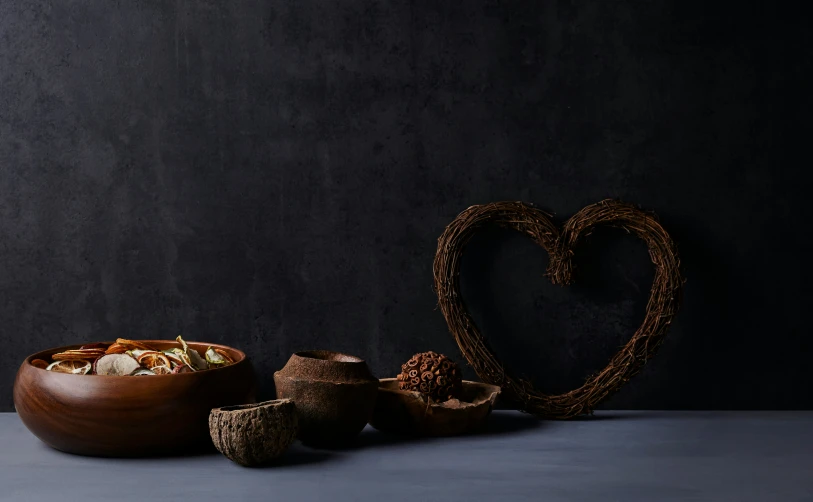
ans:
x=663 y=304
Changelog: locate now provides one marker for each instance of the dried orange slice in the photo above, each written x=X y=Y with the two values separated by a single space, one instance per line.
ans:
x=73 y=366
x=153 y=358
x=161 y=370
x=116 y=349
x=84 y=354
x=39 y=363
x=133 y=345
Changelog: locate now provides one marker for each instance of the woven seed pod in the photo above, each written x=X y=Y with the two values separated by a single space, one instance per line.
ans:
x=432 y=374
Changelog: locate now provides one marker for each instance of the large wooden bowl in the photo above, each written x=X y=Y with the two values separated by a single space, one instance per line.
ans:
x=128 y=416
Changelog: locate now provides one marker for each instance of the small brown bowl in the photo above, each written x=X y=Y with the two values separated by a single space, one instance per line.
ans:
x=127 y=416
x=254 y=434
x=408 y=412
x=334 y=395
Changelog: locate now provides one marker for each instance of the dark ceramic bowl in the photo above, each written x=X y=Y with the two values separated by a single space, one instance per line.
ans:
x=126 y=416
x=408 y=412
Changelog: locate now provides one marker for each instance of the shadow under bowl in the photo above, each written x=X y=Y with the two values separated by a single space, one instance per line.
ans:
x=126 y=416
x=408 y=412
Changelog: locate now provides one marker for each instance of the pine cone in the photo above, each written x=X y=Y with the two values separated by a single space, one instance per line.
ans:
x=432 y=374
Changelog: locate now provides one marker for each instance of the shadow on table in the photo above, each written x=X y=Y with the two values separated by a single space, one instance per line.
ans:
x=297 y=456
x=500 y=422
x=622 y=415
x=503 y=422
x=599 y=417
x=201 y=452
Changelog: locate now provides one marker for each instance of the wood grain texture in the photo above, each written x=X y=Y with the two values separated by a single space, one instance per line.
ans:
x=124 y=416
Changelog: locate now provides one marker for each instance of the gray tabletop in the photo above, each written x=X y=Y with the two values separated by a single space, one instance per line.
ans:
x=614 y=456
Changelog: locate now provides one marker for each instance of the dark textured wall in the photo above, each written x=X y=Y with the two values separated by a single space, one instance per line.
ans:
x=274 y=175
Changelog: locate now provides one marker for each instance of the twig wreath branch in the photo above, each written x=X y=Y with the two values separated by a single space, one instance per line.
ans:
x=663 y=302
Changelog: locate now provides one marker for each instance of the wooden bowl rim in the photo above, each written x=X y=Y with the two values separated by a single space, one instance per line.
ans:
x=238 y=408
x=328 y=356
x=494 y=390
x=242 y=359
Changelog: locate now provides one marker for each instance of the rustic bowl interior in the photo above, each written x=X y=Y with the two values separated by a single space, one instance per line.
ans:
x=473 y=392
x=265 y=404
x=410 y=412
x=326 y=355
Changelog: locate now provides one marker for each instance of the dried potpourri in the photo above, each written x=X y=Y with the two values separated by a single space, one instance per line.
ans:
x=73 y=366
x=131 y=358
x=39 y=363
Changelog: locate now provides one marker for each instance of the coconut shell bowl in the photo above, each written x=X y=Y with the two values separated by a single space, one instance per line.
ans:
x=412 y=413
x=254 y=434
x=334 y=395
x=129 y=416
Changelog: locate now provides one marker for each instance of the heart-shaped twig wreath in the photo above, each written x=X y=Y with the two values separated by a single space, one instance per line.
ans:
x=661 y=308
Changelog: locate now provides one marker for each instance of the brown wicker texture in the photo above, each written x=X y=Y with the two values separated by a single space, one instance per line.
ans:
x=662 y=306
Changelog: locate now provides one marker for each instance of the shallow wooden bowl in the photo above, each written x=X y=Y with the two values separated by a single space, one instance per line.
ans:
x=128 y=416
x=408 y=412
